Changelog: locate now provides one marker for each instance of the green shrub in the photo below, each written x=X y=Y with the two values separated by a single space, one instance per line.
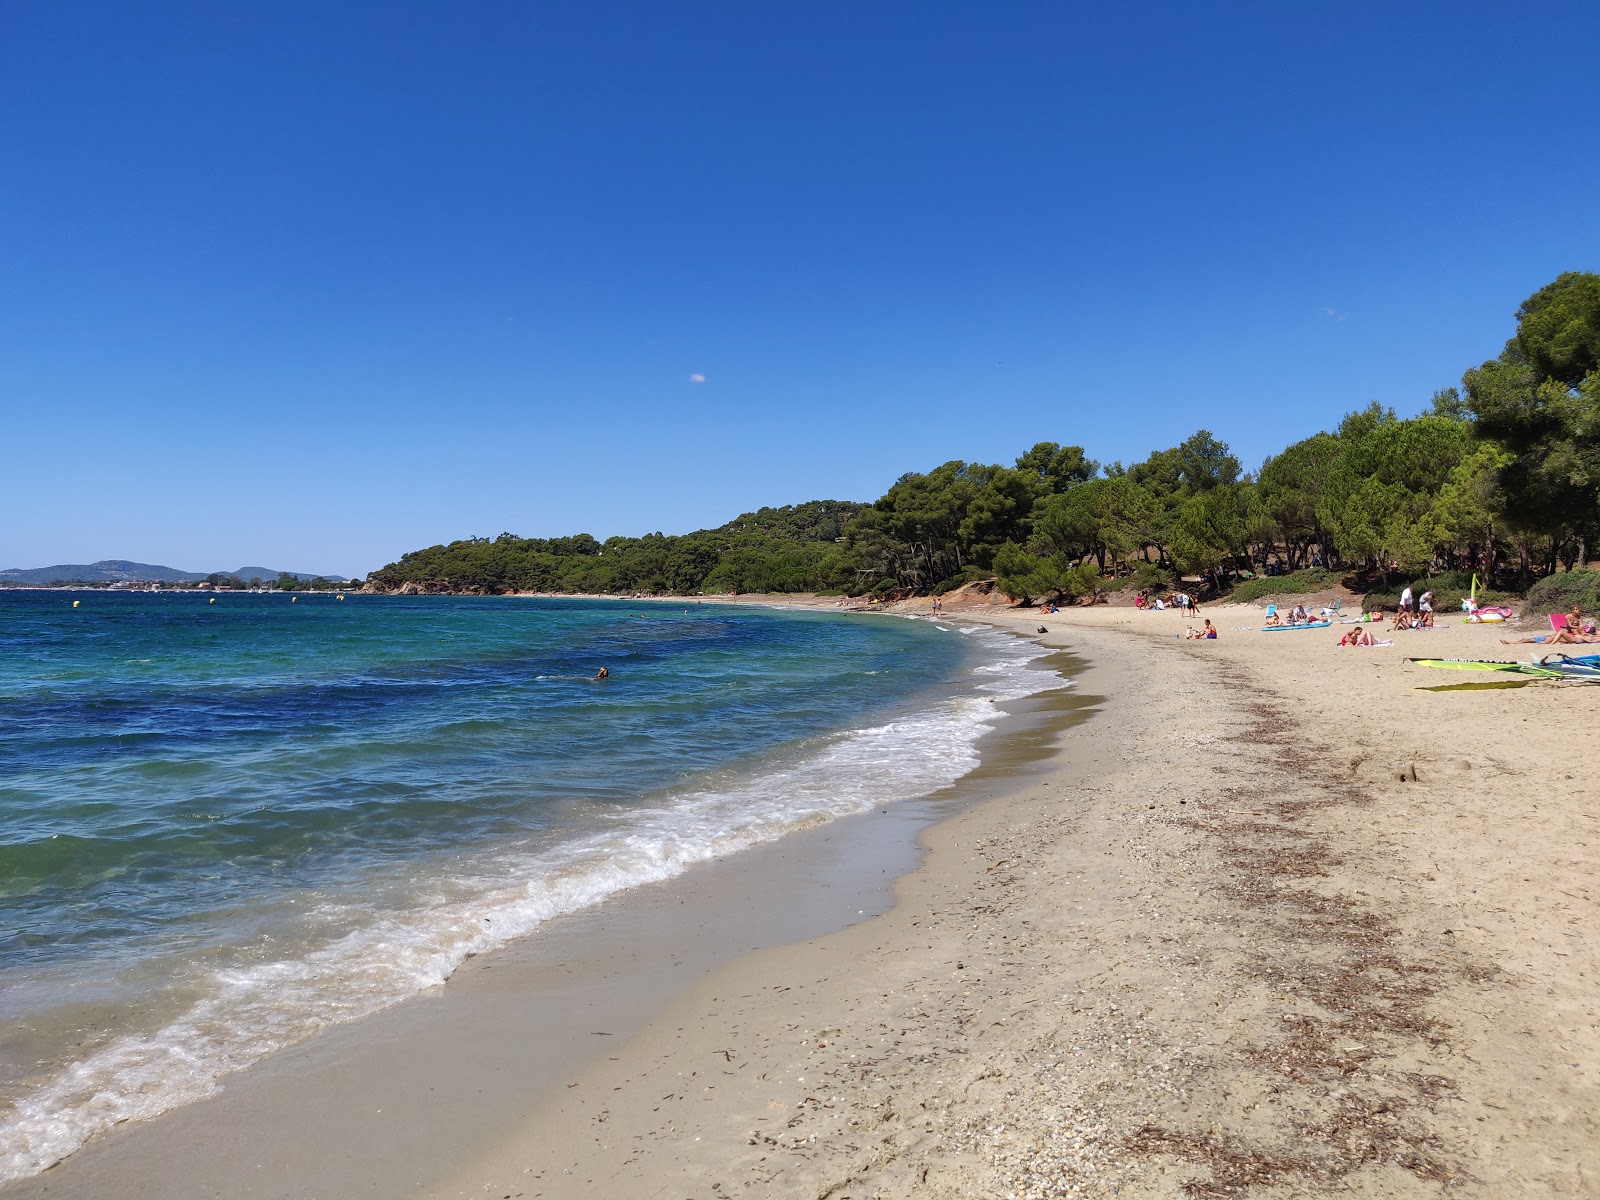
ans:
x=1559 y=592
x=1450 y=588
x=1085 y=580
x=1149 y=575
x=886 y=586
x=1313 y=579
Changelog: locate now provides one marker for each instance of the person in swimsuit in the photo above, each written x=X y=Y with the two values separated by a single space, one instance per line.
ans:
x=1564 y=637
x=603 y=673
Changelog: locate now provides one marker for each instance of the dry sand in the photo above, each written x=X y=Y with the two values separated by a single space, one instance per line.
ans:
x=1276 y=924
x=1273 y=923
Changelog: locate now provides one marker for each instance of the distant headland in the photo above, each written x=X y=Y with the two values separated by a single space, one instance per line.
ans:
x=121 y=573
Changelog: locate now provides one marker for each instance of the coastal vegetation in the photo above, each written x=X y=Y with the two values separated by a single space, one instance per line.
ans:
x=123 y=573
x=216 y=581
x=1499 y=476
x=1313 y=579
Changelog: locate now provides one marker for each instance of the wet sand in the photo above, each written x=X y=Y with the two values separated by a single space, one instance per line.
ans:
x=382 y=1106
x=1273 y=923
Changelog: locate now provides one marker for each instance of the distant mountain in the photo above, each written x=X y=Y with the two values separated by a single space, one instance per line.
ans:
x=120 y=570
x=267 y=574
x=108 y=570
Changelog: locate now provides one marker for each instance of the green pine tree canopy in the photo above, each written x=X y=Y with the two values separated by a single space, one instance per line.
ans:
x=1500 y=475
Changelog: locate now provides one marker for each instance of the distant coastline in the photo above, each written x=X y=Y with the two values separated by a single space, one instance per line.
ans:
x=126 y=574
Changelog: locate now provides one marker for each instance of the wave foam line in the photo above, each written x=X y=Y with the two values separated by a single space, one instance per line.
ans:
x=252 y=1012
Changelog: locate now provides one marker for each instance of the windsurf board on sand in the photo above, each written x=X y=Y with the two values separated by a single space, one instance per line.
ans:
x=1547 y=668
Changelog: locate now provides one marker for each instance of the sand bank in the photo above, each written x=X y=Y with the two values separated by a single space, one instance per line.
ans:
x=1276 y=924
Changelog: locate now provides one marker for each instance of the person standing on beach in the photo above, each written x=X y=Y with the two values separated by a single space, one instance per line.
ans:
x=1405 y=600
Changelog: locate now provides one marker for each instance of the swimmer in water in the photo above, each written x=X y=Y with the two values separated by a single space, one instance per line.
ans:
x=602 y=673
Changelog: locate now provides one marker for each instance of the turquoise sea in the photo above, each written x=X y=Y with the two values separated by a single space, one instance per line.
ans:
x=226 y=826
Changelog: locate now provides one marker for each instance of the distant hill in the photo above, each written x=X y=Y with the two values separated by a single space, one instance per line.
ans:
x=108 y=570
x=120 y=570
x=266 y=574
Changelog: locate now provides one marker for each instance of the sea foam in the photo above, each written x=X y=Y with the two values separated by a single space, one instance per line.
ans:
x=247 y=1013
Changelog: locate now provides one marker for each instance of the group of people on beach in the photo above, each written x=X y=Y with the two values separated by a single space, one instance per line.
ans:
x=1414 y=612
x=1206 y=632
x=1298 y=615
x=1182 y=601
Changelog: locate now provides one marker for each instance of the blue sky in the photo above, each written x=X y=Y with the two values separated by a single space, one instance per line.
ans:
x=310 y=285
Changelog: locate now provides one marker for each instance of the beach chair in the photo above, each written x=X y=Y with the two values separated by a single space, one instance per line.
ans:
x=1334 y=611
x=1558 y=622
x=1272 y=610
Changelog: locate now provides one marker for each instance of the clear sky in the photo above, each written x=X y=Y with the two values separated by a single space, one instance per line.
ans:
x=307 y=285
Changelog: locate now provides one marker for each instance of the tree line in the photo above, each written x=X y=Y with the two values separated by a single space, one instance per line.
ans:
x=1500 y=475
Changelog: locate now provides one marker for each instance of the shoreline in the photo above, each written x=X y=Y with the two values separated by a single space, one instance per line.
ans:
x=577 y=967
x=1272 y=923
x=1250 y=935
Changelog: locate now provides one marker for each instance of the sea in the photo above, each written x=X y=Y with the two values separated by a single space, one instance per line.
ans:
x=228 y=822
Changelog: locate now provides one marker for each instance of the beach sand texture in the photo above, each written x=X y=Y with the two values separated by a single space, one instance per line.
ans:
x=1223 y=948
x=1273 y=923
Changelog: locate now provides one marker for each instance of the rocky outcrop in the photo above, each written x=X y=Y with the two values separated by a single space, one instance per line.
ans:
x=420 y=587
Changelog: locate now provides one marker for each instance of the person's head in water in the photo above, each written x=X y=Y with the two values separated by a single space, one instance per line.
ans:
x=603 y=673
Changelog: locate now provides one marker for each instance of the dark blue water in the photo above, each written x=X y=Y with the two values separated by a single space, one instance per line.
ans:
x=224 y=826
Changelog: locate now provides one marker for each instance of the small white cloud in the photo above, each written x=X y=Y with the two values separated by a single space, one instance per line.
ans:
x=1334 y=314
x=697 y=378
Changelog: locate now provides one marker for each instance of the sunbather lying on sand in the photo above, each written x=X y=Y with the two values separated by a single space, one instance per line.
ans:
x=1567 y=637
x=1362 y=637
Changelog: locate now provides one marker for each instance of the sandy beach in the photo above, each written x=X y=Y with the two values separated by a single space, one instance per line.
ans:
x=1276 y=923
x=1272 y=922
